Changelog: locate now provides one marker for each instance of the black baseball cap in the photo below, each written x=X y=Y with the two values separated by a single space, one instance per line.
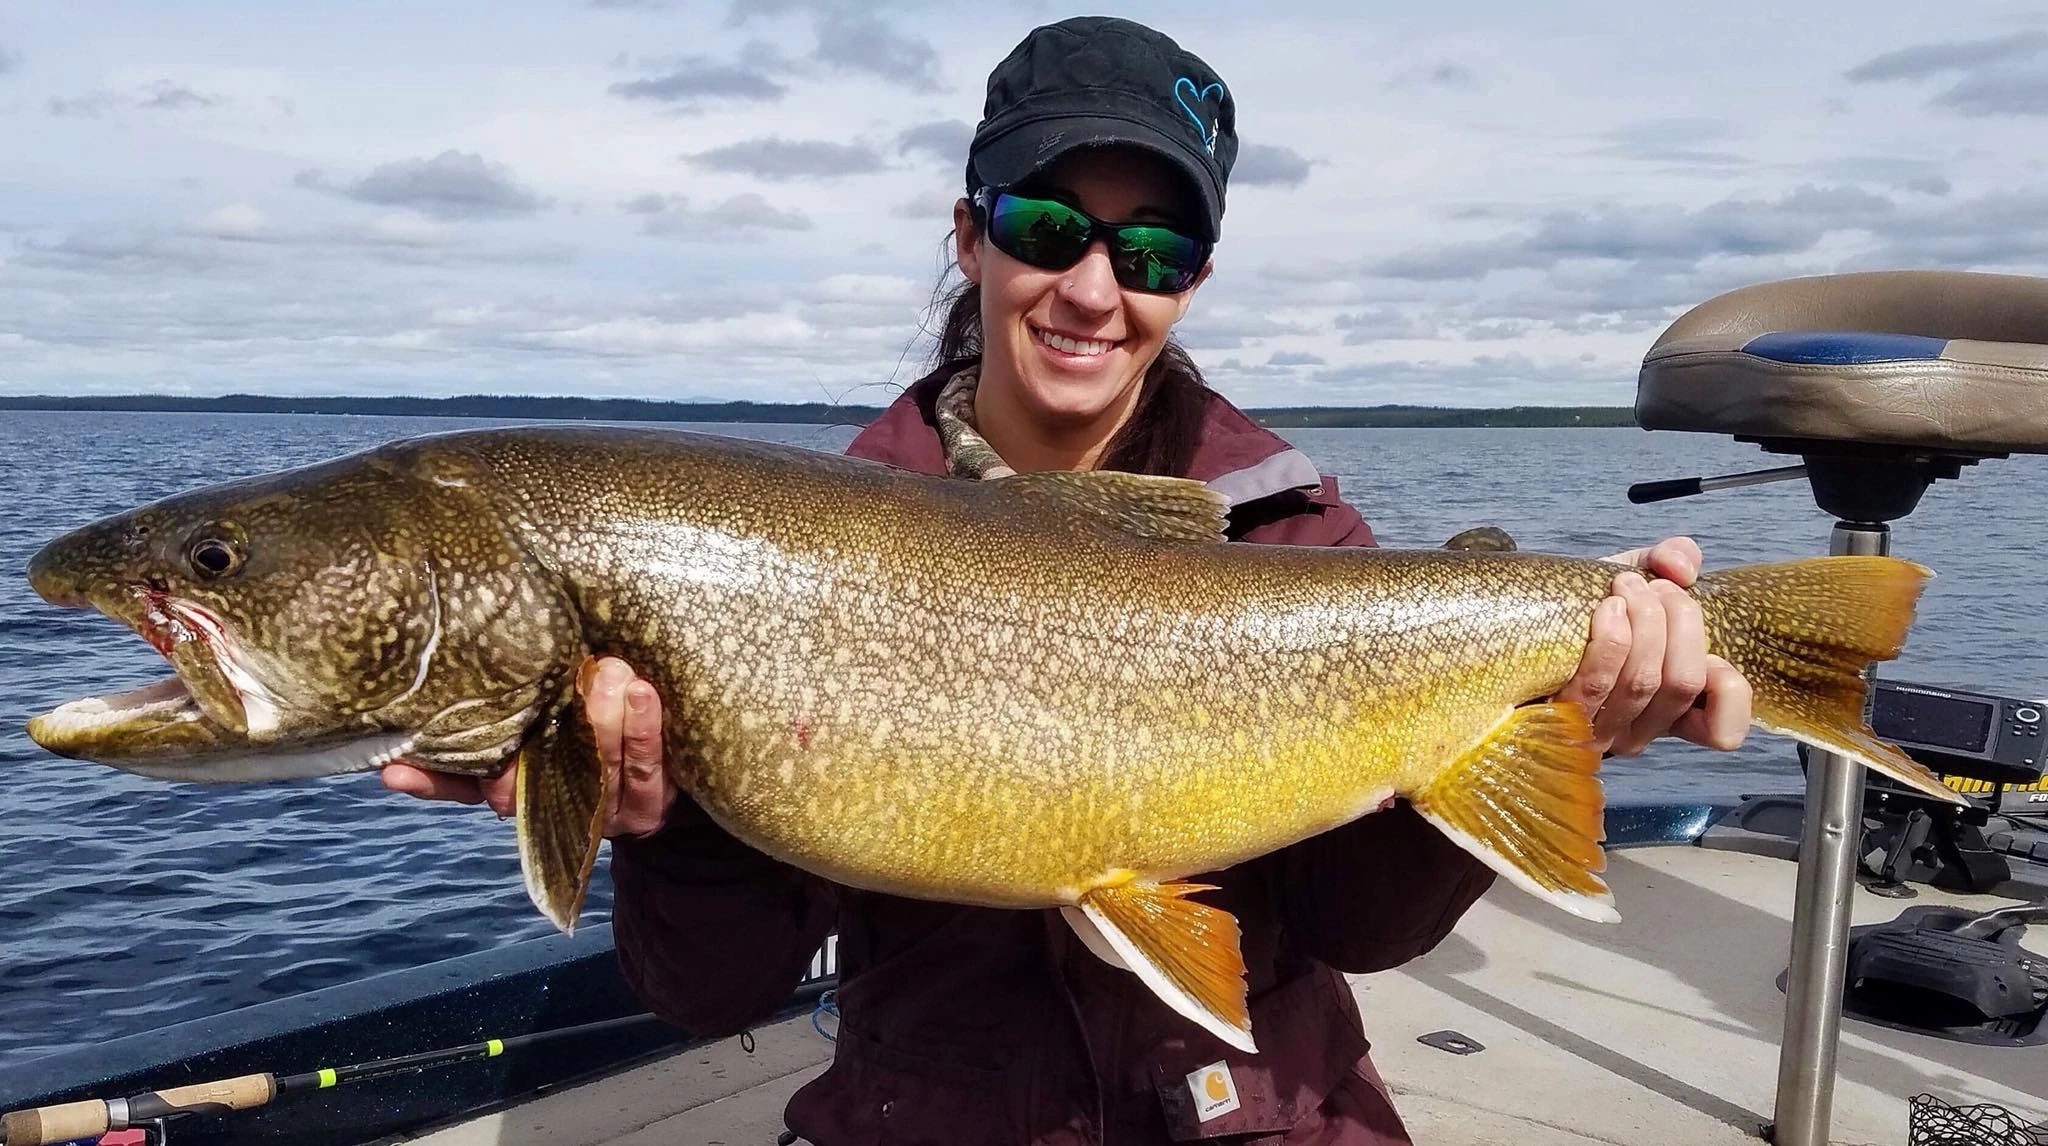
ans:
x=1096 y=80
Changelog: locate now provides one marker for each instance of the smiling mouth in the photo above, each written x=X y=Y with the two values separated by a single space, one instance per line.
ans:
x=1077 y=347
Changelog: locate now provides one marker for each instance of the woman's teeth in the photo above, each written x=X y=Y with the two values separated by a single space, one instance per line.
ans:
x=1065 y=345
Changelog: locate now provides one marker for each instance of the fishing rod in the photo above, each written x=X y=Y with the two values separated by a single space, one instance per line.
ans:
x=67 y=1121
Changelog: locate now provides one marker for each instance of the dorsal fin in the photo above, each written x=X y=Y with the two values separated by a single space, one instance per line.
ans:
x=1142 y=505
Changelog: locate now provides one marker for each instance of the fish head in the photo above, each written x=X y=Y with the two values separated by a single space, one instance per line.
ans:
x=321 y=620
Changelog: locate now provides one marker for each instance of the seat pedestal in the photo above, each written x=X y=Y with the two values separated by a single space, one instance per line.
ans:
x=1818 y=971
x=1884 y=383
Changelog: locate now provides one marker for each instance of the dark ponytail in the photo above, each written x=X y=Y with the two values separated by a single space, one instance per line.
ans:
x=1159 y=437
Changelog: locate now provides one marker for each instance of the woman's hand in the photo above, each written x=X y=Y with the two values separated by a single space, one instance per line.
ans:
x=1646 y=671
x=625 y=716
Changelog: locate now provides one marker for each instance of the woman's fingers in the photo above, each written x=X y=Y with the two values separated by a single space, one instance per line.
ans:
x=1722 y=717
x=1642 y=671
x=643 y=788
x=501 y=792
x=403 y=777
x=1675 y=559
x=625 y=724
x=1607 y=645
x=604 y=706
x=625 y=720
x=1679 y=679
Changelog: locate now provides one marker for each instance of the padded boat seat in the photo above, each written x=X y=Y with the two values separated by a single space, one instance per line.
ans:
x=1943 y=361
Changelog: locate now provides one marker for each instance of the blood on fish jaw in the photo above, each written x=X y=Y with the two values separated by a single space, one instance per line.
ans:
x=160 y=626
x=170 y=623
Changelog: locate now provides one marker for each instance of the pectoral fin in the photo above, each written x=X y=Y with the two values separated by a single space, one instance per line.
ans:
x=1187 y=952
x=1526 y=799
x=561 y=810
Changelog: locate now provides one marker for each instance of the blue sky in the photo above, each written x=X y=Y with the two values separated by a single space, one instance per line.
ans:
x=1461 y=203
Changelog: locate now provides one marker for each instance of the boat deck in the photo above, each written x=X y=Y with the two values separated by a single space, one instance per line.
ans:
x=1660 y=1029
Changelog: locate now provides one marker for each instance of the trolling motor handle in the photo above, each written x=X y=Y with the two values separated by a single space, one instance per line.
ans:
x=64 y=1122
x=1643 y=493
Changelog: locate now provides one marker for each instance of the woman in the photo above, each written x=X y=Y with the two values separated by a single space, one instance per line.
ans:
x=972 y=1025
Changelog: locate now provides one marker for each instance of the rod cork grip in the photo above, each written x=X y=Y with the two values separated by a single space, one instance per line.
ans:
x=48 y=1124
x=250 y=1090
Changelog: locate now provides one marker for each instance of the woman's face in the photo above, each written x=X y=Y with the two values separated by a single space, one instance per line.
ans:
x=1071 y=345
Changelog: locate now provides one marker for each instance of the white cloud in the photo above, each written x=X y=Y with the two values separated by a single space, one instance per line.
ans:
x=237 y=221
x=943 y=140
x=1478 y=203
x=739 y=217
x=451 y=185
x=403 y=229
x=691 y=83
x=1266 y=164
x=776 y=158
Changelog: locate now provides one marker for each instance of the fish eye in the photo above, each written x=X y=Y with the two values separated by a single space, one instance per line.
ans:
x=213 y=557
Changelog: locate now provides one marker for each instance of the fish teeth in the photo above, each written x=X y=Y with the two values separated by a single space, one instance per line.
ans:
x=90 y=712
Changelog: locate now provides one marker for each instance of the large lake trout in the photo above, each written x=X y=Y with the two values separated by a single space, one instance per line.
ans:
x=1046 y=690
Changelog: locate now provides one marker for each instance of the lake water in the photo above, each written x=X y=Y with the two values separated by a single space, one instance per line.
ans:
x=127 y=904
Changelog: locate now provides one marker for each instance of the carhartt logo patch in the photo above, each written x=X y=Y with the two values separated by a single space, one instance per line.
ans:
x=1214 y=1090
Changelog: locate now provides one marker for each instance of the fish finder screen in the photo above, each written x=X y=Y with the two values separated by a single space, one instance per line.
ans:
x=1941 y=721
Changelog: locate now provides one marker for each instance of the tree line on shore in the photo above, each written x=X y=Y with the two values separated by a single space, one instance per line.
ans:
x=568 y=408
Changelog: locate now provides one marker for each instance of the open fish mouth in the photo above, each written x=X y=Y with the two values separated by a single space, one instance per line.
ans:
x=165 y=702
x=205 y=700
x=160 y=731
x=212 y=721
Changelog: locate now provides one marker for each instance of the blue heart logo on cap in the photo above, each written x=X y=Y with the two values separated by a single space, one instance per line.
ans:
x=1189 y=97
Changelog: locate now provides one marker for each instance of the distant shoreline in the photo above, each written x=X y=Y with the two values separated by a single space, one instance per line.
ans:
x=798 y=413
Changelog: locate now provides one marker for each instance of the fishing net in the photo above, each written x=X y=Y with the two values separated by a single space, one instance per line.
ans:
x=1932 y=1122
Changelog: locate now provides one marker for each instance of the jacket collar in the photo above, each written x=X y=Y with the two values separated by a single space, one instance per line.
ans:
x=1235 y=456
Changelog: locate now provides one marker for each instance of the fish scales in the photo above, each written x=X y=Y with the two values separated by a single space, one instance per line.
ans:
x=1258 y=697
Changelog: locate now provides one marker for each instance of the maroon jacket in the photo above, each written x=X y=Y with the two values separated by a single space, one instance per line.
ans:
x=965 y=1025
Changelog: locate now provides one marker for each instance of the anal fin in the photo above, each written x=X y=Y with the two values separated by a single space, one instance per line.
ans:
x=1526 y=800
x=560 y=805
x=1186 y=952
x=1092 y=938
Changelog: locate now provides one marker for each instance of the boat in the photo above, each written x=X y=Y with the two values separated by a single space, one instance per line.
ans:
x=1849 y=963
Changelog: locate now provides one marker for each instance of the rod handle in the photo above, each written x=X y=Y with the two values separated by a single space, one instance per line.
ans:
x=244 y=1093
x=61 y=1123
